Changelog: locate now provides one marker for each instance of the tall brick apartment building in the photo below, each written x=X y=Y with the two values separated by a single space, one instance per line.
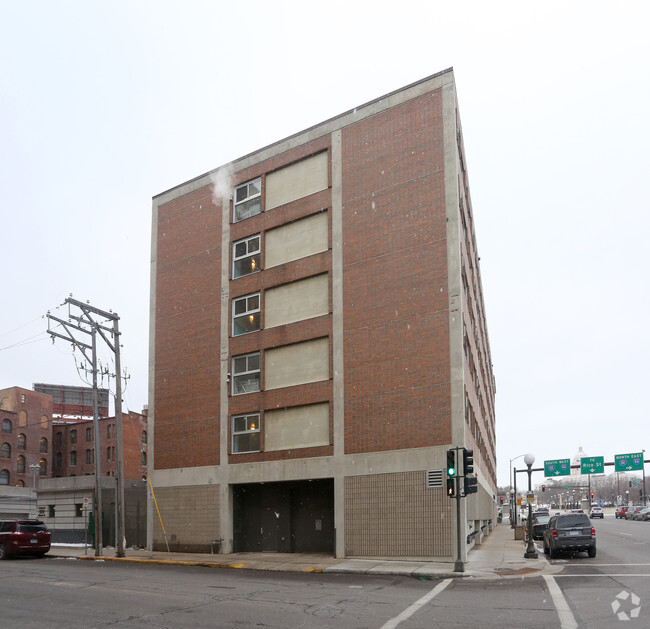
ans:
x=318 y=341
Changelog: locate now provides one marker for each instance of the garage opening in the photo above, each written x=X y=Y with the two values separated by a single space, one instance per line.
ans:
x=289 y=517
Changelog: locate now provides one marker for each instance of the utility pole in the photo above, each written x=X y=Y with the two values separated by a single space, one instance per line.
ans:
x=87 y=324
x=68 y=326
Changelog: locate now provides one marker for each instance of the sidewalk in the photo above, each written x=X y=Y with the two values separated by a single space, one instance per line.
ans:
x=500 y=556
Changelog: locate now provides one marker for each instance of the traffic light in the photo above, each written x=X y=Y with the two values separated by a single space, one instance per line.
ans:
x=468 y=461
x=451 y=473
x=592 y=496
x=470 y=484
x=543 y=487
x=501 y=499
x=451 y=463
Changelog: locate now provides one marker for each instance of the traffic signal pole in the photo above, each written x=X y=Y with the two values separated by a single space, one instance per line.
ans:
x=469 y=486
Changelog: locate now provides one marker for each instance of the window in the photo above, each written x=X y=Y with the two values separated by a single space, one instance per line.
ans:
x=245 y=433
x=246 y=256
x=20 y=465
x=79 y=509
x=58 y=461
x=43 y=467
x=44 y=421
x=21 y=442
x=59 y=438
x=51 y=510
x=246 y=314
x=6 y=425
x=248 y=200
x=144 y=437
x=5 y=451
x=4 y=477
x=73 y=457
x=89 y=456
x=89 y=434
x=108 y=431
x=43 y=444
x=20 y=483
x=246 y=374
x=73 y=436
x=144 y=458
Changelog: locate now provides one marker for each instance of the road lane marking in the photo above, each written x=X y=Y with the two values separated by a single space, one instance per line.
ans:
x=409 y=611
x=580 y=575
x=567 y=621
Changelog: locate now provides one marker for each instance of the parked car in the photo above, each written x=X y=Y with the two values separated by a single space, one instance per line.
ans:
x=569 y=533
x=596 y=512
x=23 y=537
x=632 y=511
x=539 y=523
x=620 y=512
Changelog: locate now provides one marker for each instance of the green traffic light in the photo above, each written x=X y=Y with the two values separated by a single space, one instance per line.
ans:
x=451 y=471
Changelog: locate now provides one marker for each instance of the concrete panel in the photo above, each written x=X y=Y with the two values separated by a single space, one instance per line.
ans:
x=297 y=427
x=191 y=519
x=395 y=515
x=296 y=240
x=297 y=364
x=297 y=301
x=296 y=181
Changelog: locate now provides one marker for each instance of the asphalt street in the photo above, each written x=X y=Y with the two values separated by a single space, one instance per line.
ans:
x=603 y=592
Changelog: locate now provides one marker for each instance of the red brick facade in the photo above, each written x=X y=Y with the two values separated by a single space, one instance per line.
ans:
x=26 y=436
x=410 y=370
x=74 y=452
x=395 y=291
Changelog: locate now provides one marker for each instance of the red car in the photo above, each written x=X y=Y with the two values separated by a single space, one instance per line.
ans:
x=23 y=537
x=620 y=512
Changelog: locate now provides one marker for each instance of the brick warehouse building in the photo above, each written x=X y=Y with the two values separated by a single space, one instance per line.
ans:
x=318 y=342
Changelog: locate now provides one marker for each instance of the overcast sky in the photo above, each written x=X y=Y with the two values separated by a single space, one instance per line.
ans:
x=106 y=104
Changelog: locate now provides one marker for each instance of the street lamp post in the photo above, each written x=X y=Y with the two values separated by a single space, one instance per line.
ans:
x=513 y=510
x=531 y=551
x=35 y=469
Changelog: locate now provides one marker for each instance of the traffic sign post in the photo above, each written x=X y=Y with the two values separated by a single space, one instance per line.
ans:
x=628 y=462
x=557 y=467
x=592 y=465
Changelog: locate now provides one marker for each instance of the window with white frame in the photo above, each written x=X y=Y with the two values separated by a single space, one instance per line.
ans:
x=248 y=199
x=246 y=373
x=246 y=314
x=246 y=256
x=245 y=433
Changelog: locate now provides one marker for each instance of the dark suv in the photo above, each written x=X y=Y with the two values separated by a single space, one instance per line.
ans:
x=570 y=533
x=23 y=537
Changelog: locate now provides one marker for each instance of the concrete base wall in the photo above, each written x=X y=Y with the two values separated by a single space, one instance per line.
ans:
x=395 y=515
x=190 y=516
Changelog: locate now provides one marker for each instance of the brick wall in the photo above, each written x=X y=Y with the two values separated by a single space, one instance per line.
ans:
x=188 y=294
x=396 y=338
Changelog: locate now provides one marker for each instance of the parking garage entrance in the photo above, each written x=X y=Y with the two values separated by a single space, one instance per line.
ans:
x=287 y=517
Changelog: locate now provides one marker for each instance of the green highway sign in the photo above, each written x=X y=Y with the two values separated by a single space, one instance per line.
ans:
x=557 y=467
x=592 y=465
x=628 y=462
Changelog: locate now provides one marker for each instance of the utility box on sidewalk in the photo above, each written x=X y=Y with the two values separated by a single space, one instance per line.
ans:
x=519 y=531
